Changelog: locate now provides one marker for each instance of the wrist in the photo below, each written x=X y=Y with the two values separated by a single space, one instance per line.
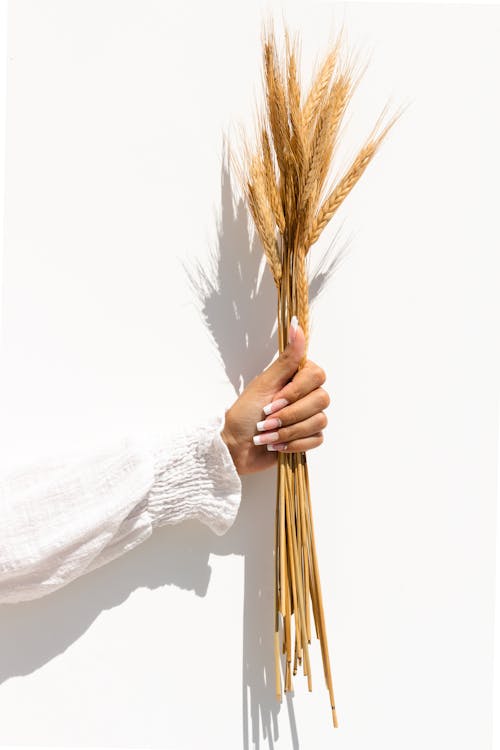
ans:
x=231 y=445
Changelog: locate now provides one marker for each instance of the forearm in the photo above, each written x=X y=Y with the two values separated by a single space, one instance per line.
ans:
x=62 y=520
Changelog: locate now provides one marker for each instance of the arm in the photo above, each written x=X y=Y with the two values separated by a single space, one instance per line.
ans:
x=63 y=519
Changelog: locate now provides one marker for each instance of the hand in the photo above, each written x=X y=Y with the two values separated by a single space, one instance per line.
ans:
x=301 y=420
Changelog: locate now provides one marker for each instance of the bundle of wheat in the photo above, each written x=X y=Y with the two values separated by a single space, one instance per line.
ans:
x=284 y=179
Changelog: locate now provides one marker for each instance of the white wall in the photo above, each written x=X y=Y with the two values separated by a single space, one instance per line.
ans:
x=3 y=108
x=114 y=180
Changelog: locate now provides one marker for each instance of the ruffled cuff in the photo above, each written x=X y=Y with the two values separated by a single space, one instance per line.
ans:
x=195 y=477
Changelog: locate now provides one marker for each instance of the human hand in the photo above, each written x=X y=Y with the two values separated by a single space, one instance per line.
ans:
x=293 y=397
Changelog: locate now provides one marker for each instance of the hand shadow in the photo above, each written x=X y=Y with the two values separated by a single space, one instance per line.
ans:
x=238 y=302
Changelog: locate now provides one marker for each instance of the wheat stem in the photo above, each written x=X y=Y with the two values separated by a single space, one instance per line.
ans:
x=283 y=179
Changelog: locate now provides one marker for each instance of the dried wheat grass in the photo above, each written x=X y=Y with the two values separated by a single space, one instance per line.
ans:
x=283 y=177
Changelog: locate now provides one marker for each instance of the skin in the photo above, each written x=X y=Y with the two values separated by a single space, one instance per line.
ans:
x=303 y=419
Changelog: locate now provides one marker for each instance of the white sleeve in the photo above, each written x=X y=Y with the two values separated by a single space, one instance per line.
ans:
x=62 y=519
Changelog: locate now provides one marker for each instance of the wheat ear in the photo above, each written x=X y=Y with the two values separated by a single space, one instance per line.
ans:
x=346 y=184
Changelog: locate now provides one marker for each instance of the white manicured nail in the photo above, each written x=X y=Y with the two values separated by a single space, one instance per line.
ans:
x=277 y=447
x=269 y=424
x=275 y=405
x=294 y=324
x=267 y=438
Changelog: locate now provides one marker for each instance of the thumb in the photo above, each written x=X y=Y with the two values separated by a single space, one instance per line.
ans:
x=286 y=365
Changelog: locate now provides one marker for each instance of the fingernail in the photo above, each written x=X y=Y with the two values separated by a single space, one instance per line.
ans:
x=269 y=424
x=294 y=324
x=263 y=439
x=274 y=405
x=277 y=447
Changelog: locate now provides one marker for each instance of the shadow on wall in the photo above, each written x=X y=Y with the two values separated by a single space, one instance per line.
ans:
x=240 y=313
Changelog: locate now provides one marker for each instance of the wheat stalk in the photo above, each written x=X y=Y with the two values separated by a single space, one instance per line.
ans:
x=345 y=185
x=283 y=177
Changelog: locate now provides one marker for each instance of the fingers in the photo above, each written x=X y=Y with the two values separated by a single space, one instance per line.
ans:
x=303 y=429
x=305 y=407
x=295 y=435
x=304 y=381
x=296 y=418
x=294 y=446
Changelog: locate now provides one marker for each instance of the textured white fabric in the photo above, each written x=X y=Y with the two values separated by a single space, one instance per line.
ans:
x=62 y=519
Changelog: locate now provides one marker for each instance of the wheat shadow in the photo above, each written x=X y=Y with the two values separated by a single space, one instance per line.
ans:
x=237 y=299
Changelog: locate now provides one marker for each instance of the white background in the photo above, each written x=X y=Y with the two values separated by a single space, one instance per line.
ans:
x=115 y=181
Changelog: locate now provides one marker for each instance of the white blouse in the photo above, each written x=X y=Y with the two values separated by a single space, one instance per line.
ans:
x=61 y=519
